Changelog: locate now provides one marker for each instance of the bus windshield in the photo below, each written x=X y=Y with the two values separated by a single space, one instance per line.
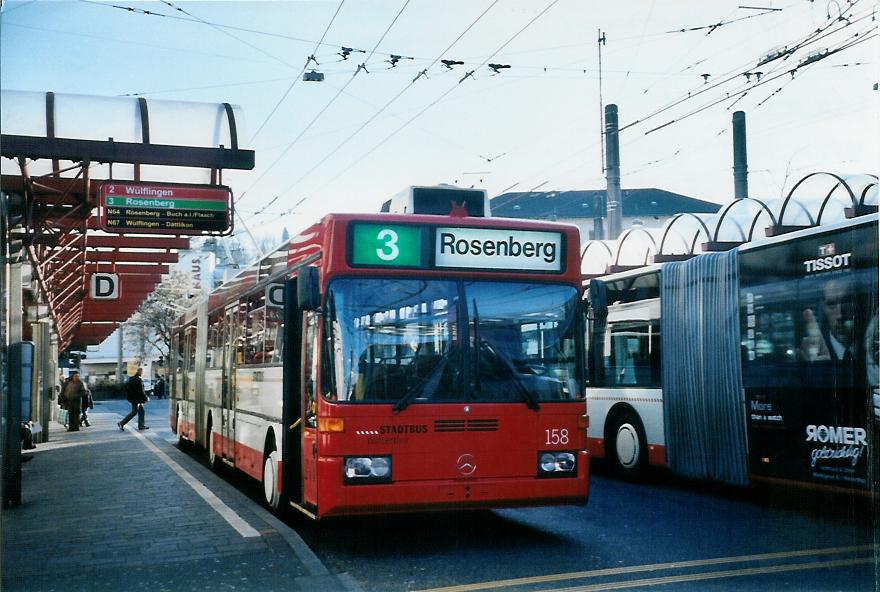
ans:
x=408 y=341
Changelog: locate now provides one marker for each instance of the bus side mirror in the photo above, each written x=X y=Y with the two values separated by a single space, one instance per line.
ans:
x=308 y=293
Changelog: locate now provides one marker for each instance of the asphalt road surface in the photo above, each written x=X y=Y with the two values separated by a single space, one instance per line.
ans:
x=664 y=533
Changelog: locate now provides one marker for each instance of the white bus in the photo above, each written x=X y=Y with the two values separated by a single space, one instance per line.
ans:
x=760 y=363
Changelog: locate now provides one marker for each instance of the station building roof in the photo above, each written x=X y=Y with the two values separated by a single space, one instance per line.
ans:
x=573 y=204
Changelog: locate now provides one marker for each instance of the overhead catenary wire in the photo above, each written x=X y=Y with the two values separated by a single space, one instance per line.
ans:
x=391 y=101
x=227 y=33
x=689 y=51
x=237 y=28
x=298 y=76
x=409 y=122
x=22 y=5
x=129 y=41
x=726 y=97
x=713 y=27
x=175 y=17
x=639 y=44
x=639 y=168
x=548 y=68
x=729 y=76
x=533 y=111
x=509 y=150
x=329 y=103
x=762 y=82
x=579 y=152
x=451 y=89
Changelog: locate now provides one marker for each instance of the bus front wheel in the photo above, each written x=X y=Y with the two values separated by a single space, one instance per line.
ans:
x=627 y=446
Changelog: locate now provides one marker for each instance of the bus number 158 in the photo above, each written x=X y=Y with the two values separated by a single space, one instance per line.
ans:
x=556 y=436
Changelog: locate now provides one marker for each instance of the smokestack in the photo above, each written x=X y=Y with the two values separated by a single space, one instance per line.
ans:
x=612 y=174
x=740 y=160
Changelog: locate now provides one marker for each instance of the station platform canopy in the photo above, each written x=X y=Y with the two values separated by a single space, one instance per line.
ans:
x=816 y=199
x=59 y=151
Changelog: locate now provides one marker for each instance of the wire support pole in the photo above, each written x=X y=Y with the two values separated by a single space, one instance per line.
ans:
x=600 y=41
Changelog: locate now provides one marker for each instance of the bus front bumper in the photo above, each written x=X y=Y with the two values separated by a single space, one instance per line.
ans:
x=337 y=499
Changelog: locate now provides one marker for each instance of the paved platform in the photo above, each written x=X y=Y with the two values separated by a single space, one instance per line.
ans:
x=109 y=510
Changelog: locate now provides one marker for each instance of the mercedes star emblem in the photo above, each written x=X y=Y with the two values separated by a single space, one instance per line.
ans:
x=466 y=464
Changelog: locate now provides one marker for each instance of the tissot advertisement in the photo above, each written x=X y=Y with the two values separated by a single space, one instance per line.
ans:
x=808 y=316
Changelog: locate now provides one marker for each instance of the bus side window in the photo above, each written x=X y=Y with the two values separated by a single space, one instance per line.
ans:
x=310 y=368
x=255 y=347
x=191 y=349
x=656 y=376
x=274 y=342
x=632 y=354
x=240 y=332
x=215 y=342
x=177 y=356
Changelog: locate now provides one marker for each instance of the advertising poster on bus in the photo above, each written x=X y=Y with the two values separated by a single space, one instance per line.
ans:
x=809 y=344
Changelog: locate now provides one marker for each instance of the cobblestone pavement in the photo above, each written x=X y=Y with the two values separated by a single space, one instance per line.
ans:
x=107 y=510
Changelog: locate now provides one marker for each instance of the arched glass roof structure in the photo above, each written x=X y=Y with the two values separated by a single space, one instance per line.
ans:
x=57 y=150
x=816 y=199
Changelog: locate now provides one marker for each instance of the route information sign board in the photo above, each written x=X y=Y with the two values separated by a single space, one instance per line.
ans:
x=157 y=208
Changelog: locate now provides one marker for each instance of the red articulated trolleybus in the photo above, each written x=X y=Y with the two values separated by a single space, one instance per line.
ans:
x=396 y=362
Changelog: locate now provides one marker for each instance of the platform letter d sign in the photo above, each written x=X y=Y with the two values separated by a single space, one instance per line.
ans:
x=104 y=286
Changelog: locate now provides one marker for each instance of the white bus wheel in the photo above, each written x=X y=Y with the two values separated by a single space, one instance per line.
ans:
x=628 y=450
x=270 y=481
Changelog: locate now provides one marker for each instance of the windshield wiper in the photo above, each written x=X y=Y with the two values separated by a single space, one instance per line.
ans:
x=427 y=385
x=522 y=391
x=526 y=394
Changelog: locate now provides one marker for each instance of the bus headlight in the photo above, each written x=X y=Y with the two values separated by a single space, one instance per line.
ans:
x=367 y=469
x=557 y=464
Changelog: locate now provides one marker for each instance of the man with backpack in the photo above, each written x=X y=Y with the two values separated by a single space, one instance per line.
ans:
x=134 y=392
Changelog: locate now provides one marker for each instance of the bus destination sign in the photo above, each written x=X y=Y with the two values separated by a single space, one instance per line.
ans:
x=398 y=245
x=489 y=248
x=154 y=208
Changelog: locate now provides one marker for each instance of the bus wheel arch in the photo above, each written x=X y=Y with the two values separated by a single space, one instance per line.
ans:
x=270 y=473
x=625 y=442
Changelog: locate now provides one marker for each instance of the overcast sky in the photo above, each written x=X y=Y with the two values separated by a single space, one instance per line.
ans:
x=350 y=142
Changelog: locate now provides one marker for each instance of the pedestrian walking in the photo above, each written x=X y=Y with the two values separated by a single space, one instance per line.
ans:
x=87 y=403
x=134 y=392
x=74 y=393
x=62 y=401
x=159 y=389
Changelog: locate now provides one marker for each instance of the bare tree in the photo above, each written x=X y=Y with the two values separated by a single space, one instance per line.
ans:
x=149 y=328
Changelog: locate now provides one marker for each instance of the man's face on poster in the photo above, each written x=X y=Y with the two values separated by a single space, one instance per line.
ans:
x=839 y=311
